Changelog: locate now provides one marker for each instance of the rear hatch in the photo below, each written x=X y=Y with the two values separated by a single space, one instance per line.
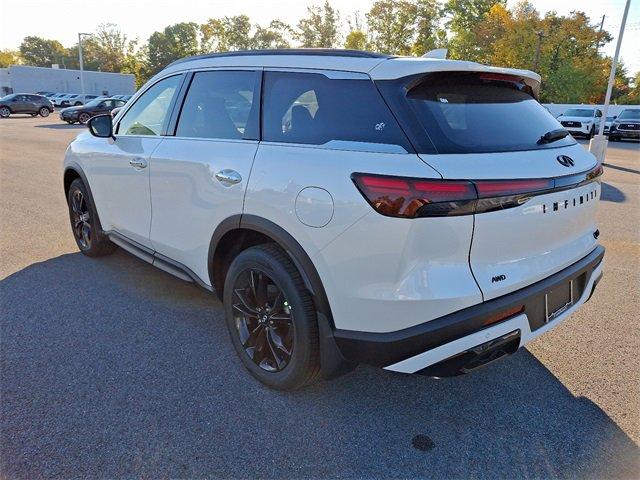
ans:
x=538 y=190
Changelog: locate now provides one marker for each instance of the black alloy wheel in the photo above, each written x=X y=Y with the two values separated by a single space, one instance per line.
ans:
x=263 y=320
x=84 y=118
x=271 y=318
x=81 y=220
x=44 y=112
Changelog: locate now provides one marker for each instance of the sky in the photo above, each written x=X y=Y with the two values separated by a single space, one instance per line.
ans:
x=63 y=19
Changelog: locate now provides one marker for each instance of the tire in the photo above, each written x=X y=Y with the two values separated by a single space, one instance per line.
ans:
x=44 y=112
x=84 y=118
x=77 y=104
x=5 y=112
x=85 y=224
x=592 y=133
x=70 y=122
x=288 y=326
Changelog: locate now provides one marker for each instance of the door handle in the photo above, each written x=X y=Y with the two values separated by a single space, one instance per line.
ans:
x=228 y=177
x=138 y=163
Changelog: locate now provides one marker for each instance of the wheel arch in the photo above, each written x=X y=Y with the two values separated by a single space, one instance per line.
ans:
x=238 y=232
x=224 y=246
x=73 y=171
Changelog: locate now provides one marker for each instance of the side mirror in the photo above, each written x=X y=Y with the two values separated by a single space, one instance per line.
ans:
x=101 y=126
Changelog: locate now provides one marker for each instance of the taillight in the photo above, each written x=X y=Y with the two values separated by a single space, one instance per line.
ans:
x=409 y=197
x=415 y=197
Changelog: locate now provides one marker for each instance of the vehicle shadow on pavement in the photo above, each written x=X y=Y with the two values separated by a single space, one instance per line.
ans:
x=111 y=368
x=609 y=193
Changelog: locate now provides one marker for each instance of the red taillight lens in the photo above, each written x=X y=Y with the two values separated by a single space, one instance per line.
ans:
x=413 y=197
x=503 y=188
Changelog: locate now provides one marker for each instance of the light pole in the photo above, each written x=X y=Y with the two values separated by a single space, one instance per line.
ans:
x=598 y=144
x=80 y=58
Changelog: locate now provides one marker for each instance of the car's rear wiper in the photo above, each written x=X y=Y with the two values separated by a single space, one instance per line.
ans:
x=552 y=136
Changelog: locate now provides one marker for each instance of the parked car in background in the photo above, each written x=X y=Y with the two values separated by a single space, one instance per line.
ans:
x=69 y=100
x=581 y=121
x=82 y=113
x=45 y=94
x=28 y=103
x=55 y=98
x=126 y=98
x=607 y=124
x=627 y=125
x=422 y=215
x=81 y=99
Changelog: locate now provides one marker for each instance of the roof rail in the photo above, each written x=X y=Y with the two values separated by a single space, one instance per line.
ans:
x=327 y=52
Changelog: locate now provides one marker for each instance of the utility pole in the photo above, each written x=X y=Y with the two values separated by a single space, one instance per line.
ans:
x=536 y=61
x=80 y=58
x=600 y=34
x=598 y=145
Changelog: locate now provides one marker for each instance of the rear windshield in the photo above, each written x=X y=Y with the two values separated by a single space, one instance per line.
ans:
x=630 y=115
x=464 y=112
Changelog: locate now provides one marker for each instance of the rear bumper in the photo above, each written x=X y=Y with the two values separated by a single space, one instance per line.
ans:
x=414 y=349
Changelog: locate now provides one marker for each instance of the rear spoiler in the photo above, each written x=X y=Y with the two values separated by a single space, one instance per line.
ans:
x=398 y=67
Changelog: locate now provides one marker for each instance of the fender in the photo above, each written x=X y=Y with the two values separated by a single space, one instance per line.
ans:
x=333 y=363
x=78 y=169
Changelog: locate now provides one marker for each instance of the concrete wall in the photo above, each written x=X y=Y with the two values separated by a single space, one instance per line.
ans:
x=25 y=79
x=558 y=108
x=5 y=83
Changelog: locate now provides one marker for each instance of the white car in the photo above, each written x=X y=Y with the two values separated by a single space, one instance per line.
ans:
x=422 y=215
x=81 y=99
x=55 y=99
x=66 y=100
x=607 y=124
x=582 y=121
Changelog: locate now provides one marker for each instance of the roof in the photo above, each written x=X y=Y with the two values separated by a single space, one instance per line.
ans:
x=377 y=65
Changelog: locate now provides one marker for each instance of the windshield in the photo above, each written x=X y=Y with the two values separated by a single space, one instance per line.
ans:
x=578 y=112
x=630 y=115
x=93 y=103
x=8 y=97
x=471 y=113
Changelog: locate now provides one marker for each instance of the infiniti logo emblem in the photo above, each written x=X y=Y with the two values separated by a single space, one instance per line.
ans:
x=566 y=161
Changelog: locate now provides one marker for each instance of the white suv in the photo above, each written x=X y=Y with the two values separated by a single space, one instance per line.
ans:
x=423 y=215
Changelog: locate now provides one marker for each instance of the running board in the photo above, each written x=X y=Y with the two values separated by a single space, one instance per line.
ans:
x=157 y=260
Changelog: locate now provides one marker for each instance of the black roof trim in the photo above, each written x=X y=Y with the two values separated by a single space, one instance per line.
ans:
x=324 y=52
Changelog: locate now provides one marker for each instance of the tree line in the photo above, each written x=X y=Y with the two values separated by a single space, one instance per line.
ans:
x=565 y=50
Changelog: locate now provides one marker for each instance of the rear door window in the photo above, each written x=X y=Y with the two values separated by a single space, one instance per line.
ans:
x=220 y=104
x=463 y=112
x=311 y=108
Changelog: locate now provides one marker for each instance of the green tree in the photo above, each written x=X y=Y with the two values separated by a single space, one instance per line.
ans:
x=8 y=58
x=404 y=27
x=464 y=18
x=320 y=28
x=392 y=26
x=40 y=52
x=632 y=96
x=174 y=42
x=276 y=35
x=356 y=40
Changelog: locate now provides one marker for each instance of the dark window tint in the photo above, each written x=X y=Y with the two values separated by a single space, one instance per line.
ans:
x=150 y=112
x=314 y=109
x=475 y=112
x=219 y=105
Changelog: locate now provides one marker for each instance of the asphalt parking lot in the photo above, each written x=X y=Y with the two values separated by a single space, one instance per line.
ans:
x=111 y=368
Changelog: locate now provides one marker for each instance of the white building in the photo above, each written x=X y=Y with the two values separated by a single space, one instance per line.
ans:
x=25 y=79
